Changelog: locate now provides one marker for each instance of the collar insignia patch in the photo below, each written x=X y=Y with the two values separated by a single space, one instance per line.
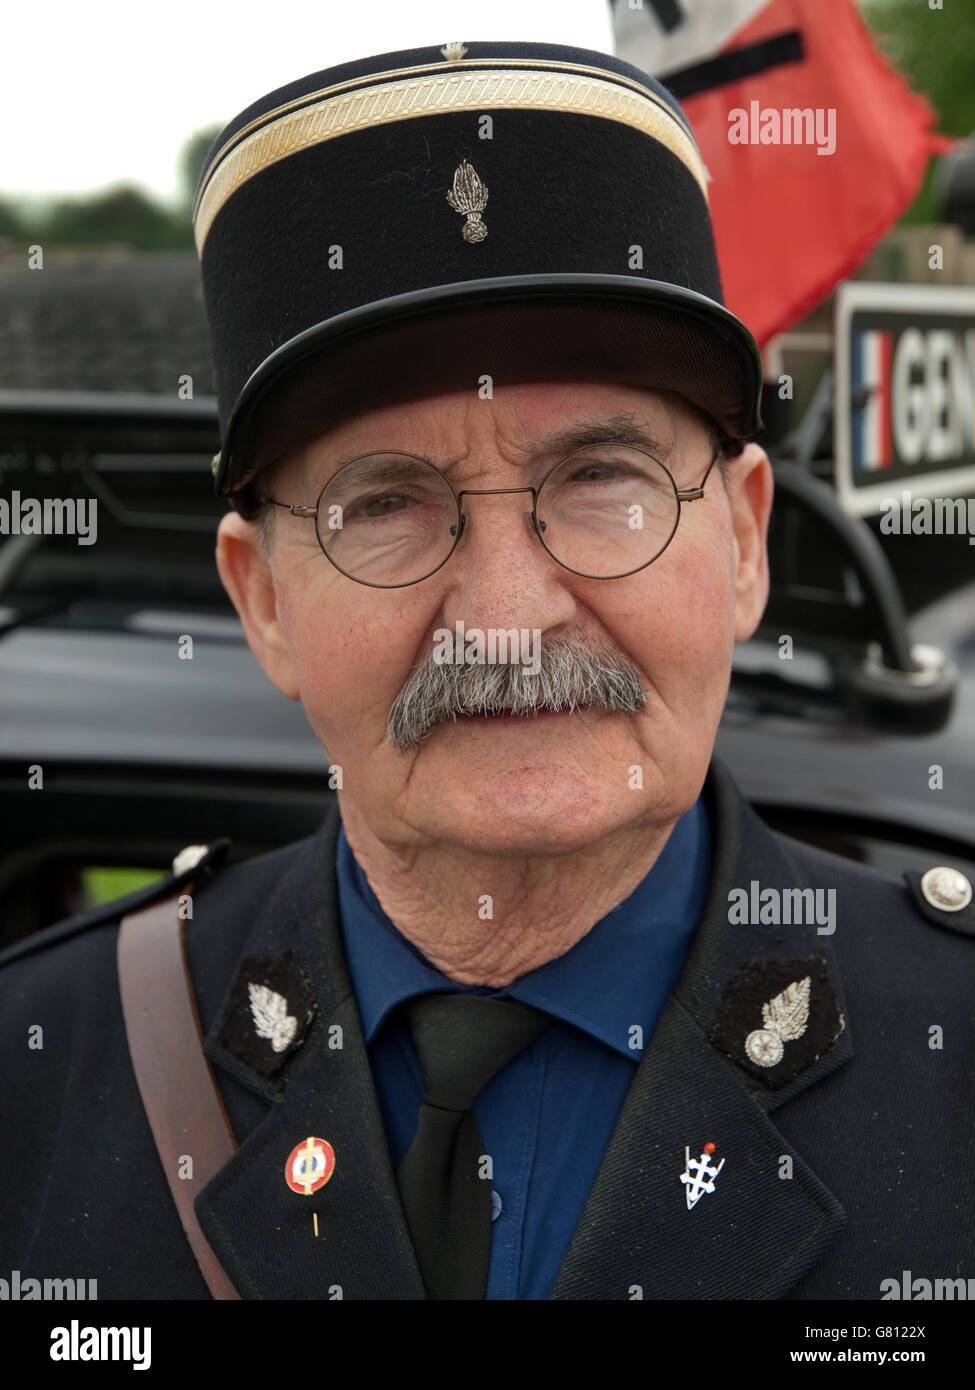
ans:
x=777 y=1017
x=786 y=1018
x=268 y=1012
x=271 y=1017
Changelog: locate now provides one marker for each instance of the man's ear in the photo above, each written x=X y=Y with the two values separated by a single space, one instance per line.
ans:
x=750 y=488
x=246 y=577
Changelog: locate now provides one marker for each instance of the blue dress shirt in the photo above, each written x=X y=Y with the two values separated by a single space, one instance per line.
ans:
x=547 y=1117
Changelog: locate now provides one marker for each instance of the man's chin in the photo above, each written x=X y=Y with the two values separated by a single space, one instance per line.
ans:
x=543 y=837
x=520 y=806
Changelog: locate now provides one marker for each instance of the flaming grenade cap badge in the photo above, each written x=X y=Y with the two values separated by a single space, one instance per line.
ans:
x=469 y=196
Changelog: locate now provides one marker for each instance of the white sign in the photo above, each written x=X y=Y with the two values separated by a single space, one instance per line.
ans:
x=904 y=411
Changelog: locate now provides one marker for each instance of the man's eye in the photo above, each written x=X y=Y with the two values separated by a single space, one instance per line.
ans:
x=600 y=472
x=608 y=471
x=382 y=506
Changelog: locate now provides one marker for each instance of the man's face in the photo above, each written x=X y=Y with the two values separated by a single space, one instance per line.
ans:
x=517 y=786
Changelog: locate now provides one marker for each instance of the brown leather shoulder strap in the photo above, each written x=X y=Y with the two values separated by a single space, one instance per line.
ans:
x=182 y=1103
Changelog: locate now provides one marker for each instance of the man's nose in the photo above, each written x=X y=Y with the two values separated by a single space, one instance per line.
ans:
x=502 y=575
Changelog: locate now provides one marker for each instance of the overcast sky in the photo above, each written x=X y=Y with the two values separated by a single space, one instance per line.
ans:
x=94 y=92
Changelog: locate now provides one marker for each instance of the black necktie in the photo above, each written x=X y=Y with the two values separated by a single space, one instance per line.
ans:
x=461 y=1040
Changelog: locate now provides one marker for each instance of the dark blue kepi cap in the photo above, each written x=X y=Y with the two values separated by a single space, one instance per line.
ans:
x=407 y=224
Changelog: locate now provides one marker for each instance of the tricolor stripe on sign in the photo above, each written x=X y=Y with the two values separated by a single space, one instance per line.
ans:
x=870 y=362
x=791 y=219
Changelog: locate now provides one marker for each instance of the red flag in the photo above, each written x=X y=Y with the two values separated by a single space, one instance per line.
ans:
x=792 y=219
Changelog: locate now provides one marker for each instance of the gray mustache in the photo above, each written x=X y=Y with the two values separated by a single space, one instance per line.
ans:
x=572 y=676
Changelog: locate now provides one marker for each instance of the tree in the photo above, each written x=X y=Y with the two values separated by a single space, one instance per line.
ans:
x=122 y=215
x=932 y=49
x=10 y=223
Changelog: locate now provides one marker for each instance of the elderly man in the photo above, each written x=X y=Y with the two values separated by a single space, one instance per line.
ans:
x=516 y=1023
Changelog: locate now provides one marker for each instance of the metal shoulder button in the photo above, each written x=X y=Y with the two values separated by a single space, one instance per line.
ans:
x=947 y=889
x=207 y=857
x=189 y=858
x=944 y=896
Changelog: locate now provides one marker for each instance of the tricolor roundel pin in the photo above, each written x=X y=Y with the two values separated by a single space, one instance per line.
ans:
x=310 y=1165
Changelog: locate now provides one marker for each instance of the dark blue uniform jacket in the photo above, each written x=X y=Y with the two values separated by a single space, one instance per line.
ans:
x=846 y=1162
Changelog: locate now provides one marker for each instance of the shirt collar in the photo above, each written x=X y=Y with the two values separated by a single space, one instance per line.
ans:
x=619 y=975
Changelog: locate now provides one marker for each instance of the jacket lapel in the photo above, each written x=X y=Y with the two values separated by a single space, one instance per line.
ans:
x=769 y=1218
x=263 y=1232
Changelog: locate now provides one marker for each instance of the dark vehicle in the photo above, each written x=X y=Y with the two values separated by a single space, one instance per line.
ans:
x=849 y=723
x=851 y=716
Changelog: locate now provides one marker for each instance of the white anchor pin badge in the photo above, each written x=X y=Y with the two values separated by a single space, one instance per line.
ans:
x=699 y=1174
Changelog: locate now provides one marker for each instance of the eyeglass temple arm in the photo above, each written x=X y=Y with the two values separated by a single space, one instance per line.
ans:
x=691 y=494
x=295 y=508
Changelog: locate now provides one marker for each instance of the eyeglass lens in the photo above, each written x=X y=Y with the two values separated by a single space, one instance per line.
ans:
x=391 y=519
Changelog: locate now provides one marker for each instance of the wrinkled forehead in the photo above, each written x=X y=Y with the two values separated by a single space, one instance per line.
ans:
x=534 y=422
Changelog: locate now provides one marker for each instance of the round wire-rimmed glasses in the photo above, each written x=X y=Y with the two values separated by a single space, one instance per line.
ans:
x=389 y=519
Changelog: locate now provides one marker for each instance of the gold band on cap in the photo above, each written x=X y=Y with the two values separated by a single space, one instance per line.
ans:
x=476 y=89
